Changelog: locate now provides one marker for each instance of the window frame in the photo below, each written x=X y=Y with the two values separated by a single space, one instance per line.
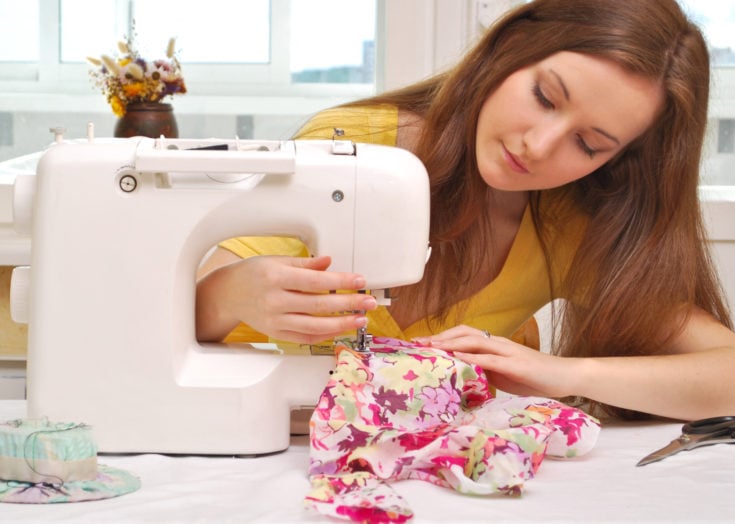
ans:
x=50 y=76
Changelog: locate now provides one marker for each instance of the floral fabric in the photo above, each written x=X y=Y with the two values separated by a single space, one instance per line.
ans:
x=405 y=411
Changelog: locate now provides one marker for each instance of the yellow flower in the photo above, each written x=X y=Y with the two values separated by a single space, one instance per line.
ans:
x=124 y=61
x=117 y=106
x=133 y=90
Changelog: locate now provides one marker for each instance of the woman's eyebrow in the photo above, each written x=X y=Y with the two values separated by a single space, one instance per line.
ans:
x=566 y=95
x=561 y=83
x=606 y=134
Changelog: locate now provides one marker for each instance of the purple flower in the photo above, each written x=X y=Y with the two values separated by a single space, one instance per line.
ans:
x=391 y=400
x=440 y=403
x=356 y=439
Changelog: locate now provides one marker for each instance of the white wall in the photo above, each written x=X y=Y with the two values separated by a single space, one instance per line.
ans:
x=718 y=205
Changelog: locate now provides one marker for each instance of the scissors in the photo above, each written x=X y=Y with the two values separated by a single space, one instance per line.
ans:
x=705 y=432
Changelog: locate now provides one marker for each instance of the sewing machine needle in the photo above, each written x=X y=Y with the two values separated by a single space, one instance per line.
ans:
x=362 y=342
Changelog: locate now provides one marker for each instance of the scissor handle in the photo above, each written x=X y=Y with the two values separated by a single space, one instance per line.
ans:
x=709 y=425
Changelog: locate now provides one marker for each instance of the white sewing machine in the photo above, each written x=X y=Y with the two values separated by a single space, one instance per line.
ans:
x=119 y=227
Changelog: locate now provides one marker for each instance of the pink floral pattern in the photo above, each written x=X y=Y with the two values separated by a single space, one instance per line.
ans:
x=405 y=411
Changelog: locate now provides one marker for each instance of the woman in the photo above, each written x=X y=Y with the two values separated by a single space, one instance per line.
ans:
x=563 y=154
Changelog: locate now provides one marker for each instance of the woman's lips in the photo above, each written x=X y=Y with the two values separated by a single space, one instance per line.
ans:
x=513 y=161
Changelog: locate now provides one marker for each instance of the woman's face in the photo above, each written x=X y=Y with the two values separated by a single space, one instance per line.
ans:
x=560 y=119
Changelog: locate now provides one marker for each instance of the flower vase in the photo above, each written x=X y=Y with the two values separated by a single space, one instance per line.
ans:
x=151 y=119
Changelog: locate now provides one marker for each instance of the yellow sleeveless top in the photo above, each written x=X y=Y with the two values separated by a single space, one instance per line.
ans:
x=521 y=288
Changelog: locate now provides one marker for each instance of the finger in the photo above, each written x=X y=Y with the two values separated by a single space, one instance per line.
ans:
x=309 y=329
x=456 y=331
x=473 y=344
x=318 y=279
x=319 y=263
x=328 y=303
x=483 y=360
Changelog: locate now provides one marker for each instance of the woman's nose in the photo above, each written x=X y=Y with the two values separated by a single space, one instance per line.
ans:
x=542 y=139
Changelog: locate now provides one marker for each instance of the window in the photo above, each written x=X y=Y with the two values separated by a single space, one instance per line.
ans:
x=242 y=36
x=324 y=51
x=228 y=44
x=716 y=18
x=19 y=40
x=261 y=41
x=18 y=32
x=252 y=68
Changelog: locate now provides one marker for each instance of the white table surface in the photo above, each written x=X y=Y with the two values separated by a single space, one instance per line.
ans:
x=603 y=486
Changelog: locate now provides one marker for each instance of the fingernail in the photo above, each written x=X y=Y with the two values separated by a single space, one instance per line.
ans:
x=361 y=322
x=369 y=303
x=360 y=282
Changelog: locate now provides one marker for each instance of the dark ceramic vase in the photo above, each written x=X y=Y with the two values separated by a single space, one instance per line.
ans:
x=149 y=119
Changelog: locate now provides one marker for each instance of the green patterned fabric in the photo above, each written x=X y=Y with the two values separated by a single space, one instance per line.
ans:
x=46 y=462
x=43 y=451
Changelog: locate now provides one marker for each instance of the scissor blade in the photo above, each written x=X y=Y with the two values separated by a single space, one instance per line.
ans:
x=673 y=447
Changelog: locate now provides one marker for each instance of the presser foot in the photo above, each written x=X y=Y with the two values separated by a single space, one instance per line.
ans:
x=363 y=340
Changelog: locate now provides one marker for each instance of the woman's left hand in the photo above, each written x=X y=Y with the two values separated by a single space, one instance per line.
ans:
x=509 y=366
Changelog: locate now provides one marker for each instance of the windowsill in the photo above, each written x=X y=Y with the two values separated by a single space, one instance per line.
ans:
x=300 y=100
x=710 y=193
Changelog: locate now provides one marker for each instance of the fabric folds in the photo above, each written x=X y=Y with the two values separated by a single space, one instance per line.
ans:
x=405 y=411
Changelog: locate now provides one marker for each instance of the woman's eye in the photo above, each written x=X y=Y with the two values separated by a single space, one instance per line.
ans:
x=545 y=102
x=587 y=150
x=548 y=104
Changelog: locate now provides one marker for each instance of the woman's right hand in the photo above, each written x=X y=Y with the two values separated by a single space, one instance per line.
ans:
x=286 y=298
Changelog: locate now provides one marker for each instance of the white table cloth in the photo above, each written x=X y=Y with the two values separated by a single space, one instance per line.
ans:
x=603 y=486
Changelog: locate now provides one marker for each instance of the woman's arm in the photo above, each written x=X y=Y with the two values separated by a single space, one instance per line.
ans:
x=693 y=381
x=283 y=297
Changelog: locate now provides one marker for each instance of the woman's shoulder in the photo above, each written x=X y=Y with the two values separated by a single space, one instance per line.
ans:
x=375 y=124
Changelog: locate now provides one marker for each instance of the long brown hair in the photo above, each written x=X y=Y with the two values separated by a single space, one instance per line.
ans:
x=643 y=260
